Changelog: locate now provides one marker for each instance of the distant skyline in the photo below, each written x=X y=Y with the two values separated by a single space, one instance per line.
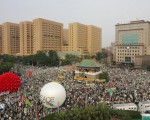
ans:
x=102 y=13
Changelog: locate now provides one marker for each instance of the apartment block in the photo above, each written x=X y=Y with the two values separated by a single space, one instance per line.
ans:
x=47 y=35
x=132 y=39
x=85 y=39
x=11 y=38
x=26 y=38
x=94 y=39
x=78 y=38
x=1 y=44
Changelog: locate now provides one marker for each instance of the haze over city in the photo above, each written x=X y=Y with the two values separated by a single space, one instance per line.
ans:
x=102 y=13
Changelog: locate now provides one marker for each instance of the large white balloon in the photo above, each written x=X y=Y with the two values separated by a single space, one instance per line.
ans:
x=53 y=95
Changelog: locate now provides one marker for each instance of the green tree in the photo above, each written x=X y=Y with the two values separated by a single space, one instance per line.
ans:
x=40 y=58
x=99 y=112
x=53 y=58
x=87 y=56
x=5 y=67
x=28 y=60
x=104 y=75
x=100 y=55
x=8 y=58
x=70 y=59
x=103 y=108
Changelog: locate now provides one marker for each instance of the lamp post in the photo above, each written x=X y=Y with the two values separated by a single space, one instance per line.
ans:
x=128 y=57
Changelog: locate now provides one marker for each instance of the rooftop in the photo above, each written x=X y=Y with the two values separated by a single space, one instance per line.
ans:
x=145 y=102
x=133 y=22
x=89 y=63
x=124 y=104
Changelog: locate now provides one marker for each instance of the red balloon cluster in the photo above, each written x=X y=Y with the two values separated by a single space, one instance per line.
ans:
x=9 y=82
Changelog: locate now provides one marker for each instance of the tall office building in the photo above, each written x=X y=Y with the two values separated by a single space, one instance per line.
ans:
x=132 y=39
x=26 y=38
x=78 y=38
x=1 y=44
x=47 y=35
x=84 y=39
x=11 y=38
x=94 y=39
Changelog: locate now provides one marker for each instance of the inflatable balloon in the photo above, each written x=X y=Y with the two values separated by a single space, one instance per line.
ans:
x=9 y=82
x=53 y=95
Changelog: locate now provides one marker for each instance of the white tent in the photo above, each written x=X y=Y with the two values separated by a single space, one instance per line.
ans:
x=125 y=106
x=143 y=106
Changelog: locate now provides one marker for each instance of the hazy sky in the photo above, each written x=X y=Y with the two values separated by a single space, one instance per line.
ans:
x=101 y=13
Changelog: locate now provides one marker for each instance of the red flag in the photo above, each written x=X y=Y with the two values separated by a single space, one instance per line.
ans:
x=111 y=85
x=30 y=73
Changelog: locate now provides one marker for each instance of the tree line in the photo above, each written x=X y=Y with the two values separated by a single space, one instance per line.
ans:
x=41 y=58
x=99 y=112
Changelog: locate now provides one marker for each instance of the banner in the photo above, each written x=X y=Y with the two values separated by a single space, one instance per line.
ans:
x=111 y=90
x=27 y=102
x=90 y=85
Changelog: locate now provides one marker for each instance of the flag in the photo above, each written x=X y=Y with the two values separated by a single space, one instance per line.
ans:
x=111 y=85
x=51 y=104
x=90 y=85
x=111 y=90
x=37 y=112
x=30 y=73
x=27 y=102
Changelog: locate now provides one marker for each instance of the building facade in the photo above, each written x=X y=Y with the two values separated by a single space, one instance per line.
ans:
x=85 y=39
x=47 y=35
x=94 y=39
x=26 y=38
x=142 y=61
x=132 y=39
x=78 y=38
x=11 y=38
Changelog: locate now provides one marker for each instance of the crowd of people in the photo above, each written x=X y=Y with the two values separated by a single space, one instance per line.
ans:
x=130 y=86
